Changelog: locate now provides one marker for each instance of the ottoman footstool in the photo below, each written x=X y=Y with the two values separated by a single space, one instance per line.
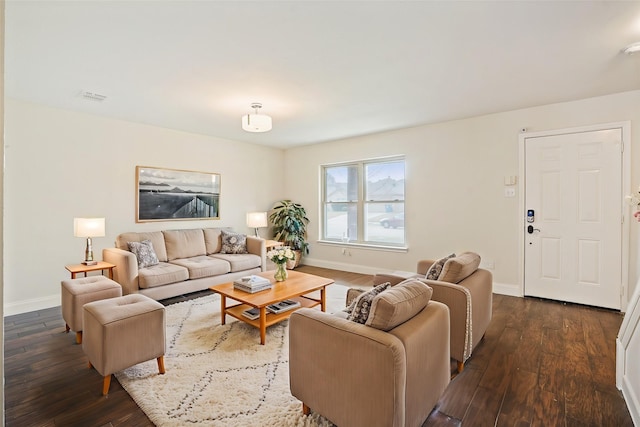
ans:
x=77 y=292
x=122 y=332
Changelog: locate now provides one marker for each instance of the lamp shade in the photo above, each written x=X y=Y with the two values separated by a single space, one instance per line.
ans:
x=257 y=219
x=256 y=122
x=88 y=227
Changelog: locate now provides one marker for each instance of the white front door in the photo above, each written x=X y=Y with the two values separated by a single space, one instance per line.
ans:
x=573 y=248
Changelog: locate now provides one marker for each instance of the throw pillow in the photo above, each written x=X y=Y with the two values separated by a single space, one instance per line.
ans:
x=144 y=253
x=398 y=304
x=361 y=305
x=436 y=268
x=233 y=243
x=459 y=268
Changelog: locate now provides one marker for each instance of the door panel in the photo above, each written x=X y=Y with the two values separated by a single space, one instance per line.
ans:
x=574 y=184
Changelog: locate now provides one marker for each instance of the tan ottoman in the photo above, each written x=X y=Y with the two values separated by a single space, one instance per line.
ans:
x=122 y=332
x=78 y=292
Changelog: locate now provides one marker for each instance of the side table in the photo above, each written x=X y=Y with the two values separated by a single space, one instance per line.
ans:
x=82 y=268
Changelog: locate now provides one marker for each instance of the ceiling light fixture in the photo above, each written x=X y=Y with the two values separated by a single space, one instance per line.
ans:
x=255 y=122
x=632 y=48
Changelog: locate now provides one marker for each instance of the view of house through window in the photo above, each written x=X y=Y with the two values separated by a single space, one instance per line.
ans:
x=363 y=202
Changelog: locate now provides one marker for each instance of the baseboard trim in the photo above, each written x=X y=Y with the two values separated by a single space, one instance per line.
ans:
x=31 y=305
x=506 y=289
x=632 y=401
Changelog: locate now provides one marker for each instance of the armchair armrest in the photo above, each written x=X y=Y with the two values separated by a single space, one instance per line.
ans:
x=423 y=266
x=257 y=246
x=126 y=270
x=394 y=279
x=352 y=374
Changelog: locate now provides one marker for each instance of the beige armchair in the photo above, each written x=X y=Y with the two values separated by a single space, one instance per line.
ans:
x=357 y=375
x=467 y=291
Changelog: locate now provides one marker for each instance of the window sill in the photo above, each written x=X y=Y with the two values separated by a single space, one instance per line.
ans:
x=365 y=246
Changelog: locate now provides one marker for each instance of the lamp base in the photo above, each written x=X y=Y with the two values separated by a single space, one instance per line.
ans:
x=90 y=262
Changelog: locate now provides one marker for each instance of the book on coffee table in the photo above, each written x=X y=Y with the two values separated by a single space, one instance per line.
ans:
x=282 y=306
x=252 y=313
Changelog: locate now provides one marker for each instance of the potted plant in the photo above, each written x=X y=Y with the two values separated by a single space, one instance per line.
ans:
x=290 y=221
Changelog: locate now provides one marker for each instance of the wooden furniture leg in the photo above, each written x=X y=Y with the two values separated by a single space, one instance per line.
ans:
x=79 y=337
x=460 y=366
x=66 y=328
x=323 y=298
x=263 y=325
x=305 y=409
x=223 y=311
x=161 y=364
x=105 y=385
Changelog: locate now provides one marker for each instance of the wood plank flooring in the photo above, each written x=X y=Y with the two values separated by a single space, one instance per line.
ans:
x=541 y=363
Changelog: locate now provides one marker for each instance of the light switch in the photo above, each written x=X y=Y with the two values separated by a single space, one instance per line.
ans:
x=509 y=192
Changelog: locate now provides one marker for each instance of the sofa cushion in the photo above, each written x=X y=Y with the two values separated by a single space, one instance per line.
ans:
x=436 y=268
x=184 y=243
x=156 y=238
x=361 y=305
x=203 y=266
x=212 y=240
x=144 y=253
x=233 y=243
x=161 y=274
x=398 y=304
x=239 y=262
x=459 y=268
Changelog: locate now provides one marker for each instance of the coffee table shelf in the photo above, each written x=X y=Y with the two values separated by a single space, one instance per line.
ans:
x=272 y=318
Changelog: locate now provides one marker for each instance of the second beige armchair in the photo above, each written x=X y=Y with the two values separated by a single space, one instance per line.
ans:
x=468 y=292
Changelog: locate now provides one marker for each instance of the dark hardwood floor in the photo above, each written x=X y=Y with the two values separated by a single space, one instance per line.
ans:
x=541 y=363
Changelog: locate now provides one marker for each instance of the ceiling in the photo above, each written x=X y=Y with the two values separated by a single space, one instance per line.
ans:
x=324 y=70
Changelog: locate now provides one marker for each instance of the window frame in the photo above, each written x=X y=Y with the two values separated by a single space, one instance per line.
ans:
x=361 y=205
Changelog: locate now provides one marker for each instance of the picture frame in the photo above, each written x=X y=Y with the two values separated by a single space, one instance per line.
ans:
x=174 y=195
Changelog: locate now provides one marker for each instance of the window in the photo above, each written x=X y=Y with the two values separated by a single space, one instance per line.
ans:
x=363 y=202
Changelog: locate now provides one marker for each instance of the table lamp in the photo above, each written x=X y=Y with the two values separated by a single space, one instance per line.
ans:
x=257 y=220
x=88 y=227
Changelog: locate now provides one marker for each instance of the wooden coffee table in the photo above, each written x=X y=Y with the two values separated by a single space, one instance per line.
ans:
x=296 y=287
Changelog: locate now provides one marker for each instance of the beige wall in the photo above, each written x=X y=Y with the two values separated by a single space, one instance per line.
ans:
x=61 y=164
x=454 y=191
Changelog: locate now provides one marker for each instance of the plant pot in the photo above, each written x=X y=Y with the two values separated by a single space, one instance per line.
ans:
x=291 y=264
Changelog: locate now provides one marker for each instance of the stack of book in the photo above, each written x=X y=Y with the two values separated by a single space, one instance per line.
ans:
x=252 y=284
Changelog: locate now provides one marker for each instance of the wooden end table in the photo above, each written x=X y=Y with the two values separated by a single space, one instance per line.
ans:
x=296 y=287
x=82 y=268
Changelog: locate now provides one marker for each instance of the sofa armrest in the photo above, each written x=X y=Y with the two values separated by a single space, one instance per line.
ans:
x=352 y=293
x=258 y=246
x=458 y=299
x=352 y=374
x=126 y=270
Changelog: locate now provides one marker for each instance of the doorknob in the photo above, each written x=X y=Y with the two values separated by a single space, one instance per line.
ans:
x=530 y=229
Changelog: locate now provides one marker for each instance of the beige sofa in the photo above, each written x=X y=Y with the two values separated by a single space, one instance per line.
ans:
x=468 y=292
x=387 y=372
x=188 y=261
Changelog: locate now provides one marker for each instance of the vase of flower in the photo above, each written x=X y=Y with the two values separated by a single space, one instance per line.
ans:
x=280 y=256
x=281 y=273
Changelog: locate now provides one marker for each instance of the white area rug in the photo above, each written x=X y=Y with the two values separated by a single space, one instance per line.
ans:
x=220 y=375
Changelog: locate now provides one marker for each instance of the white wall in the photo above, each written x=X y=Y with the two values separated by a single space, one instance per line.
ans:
x=62 y=164
x=454 y=191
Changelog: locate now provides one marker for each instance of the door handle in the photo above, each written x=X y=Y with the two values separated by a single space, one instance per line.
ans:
x=530 y=229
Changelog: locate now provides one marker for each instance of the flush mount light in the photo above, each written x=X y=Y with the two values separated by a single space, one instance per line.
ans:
x=255 y=122
x=632 y=48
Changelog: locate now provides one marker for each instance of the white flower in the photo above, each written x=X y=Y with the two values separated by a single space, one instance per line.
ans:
x=281 y=255
x=634 y=198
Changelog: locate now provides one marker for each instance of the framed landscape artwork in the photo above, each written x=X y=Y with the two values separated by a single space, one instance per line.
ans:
x=171 y=194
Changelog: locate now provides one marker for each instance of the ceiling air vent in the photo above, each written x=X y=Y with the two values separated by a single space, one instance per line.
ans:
x=92 y=95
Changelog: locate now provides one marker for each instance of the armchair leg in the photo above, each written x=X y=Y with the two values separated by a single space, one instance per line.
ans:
x=305 y=409
x=105 y=384
x=460 y=366
x=79 y=337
